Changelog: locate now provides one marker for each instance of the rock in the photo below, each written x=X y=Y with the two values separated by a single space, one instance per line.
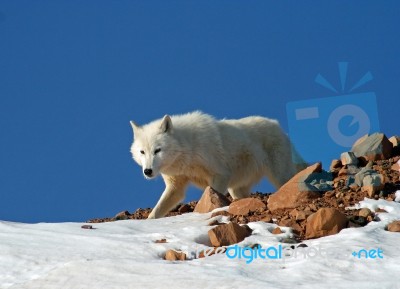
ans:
x=349 y=158
x=220 y=213
x=396 y=166
x=363 y=173
x=89 y=227
x=364 y=212
x=277 y=231
x=184 y=209
x=372 y=184
x=394 y=226
x=360 y=140
x=325 y=222
x=215 y=222
x=124 y=215
x=244 y=206
x=302 y=215
x=358 y=221
x=172 y=255
x=160 y=241
x=228 y=234
x=336 y=164
x=211 y=200
x=297 y=191
x=267 y=218
x=395 y=140
x=343 y=171
x=373 y=147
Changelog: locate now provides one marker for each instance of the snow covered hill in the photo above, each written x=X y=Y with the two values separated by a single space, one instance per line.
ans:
x=124 y=254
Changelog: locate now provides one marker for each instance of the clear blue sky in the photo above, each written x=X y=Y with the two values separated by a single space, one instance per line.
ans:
x=73 y=73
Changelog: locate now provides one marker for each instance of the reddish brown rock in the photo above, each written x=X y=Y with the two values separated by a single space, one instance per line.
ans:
x=336 y=164
x=184 y=209
x=373 y=147
x=394 y=226
x=124 y=215
x=220 y=213
x=396 y=166
x=277 y=231
x=325 y=222
x=266 y=218
x=172 y=255
x=228 y=234
x=211 y=200
x=364 y=212
x=245 y=206
x=160 y=241
x=395 y=140
x=296 y=191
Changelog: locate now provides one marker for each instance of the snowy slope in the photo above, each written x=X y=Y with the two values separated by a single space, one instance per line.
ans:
x=123 y=255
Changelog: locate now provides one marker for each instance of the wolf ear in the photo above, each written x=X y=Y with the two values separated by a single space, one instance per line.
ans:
x=135 y=127
x=166 y=124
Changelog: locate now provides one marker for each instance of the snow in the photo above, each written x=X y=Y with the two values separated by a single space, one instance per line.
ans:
x=123 y=254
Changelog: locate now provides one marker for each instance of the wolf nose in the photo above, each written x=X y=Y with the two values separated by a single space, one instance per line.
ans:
x=148 y=172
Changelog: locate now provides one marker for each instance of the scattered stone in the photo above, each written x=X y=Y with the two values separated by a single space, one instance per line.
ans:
x=379 y=210
x=373 y=147
x=329 y=194
x=277 y=231
x=124 y=215
x=211 y=200
x=349 y=158
x=267 y=218
x=396 y=166
x=362 y=174
x=372 y=184
x=297 y=191
x=184 y=209
x=220 y=213
x=215 y=222
x=395 y=140
x=160 y=241
x=325 y=222
x=245 y=206
x=89 y=227
x=172 y=255
x=228 y=234
x=336 y=164
x=394 y=226
x=358 y=220
x=343 y=171
x=364 y=212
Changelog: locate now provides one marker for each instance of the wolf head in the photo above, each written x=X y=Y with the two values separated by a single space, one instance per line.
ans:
x=154 y=146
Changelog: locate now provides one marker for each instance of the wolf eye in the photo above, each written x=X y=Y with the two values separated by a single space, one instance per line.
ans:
x=142 y=152
x=157 y=151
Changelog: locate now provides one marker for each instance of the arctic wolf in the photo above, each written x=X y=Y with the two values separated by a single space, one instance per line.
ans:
x=228 y=155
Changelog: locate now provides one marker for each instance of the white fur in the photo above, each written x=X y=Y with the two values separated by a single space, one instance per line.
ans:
x=228 y=155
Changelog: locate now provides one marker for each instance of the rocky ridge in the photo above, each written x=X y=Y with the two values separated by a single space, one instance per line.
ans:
x=314 y=203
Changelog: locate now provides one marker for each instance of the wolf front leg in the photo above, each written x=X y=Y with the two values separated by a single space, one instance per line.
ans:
x=173 y=194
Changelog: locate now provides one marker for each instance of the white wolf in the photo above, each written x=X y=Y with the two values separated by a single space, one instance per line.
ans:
x=228 y=155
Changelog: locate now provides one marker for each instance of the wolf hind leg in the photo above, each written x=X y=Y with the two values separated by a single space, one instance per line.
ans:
x=239 y=193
